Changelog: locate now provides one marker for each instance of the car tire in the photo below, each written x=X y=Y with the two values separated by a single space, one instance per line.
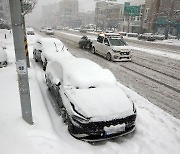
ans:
x=47 y=83
x=64 y=116
x=80 y=45
x=108 y=56
x=44 y=65
x=93 y=50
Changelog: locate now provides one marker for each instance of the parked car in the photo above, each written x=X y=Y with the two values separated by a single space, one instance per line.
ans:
x=159 y=36
x=147 y=37
x=30 y=31
x=49 y=31
x=45 y=49
x=123 y=33
x=112 y=46
x=85 y=42
x=90 y=101
x=132 y=34
x=43 y=29
x=3 y=57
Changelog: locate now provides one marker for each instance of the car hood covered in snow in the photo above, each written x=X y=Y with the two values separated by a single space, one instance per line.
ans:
x=101 y=103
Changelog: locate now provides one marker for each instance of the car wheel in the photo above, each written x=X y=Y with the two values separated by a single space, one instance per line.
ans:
x=108 y=56
x=93 y=50
x=47 y=83
x=80 y=45
x=44 y=65
x=64 y=116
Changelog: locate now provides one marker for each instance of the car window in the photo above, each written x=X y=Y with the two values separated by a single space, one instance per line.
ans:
x=100 y=39
x=117 y=42
x=106 y=41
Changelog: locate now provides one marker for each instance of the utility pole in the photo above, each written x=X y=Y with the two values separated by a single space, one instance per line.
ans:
x=21 y=65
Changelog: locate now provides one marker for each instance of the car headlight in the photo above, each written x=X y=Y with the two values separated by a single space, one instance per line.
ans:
x=80 y=119
x=134 y=108
x=115 y=50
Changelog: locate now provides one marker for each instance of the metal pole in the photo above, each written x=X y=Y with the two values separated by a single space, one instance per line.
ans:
x=25 y=37
x=18 y=35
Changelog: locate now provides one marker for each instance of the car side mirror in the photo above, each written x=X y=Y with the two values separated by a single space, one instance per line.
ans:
x=57 y=82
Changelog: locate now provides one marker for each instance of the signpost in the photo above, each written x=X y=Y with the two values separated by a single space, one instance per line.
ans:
x=131 y=11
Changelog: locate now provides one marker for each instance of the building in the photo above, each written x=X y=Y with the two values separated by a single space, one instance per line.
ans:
x=168 y=17
x=68 y=13
x=162 y=16
x=4 y=11
x=87 y=18
x=108 y=14
x=134 y=23
x=50 y=14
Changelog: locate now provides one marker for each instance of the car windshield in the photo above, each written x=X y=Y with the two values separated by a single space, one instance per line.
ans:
x=117 y=42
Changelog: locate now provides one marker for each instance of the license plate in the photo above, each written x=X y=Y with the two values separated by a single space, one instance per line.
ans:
x=114 y=129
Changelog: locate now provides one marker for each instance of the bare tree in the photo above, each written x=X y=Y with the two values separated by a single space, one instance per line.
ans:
x=28 y=6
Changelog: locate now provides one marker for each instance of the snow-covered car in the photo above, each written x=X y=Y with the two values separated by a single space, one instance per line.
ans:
x=3 y=57
x=45 y=49
x=147 y=37
x=112 y=46
x=30 y=31
x=90 y=101
x=85 y=42
x=49 y=31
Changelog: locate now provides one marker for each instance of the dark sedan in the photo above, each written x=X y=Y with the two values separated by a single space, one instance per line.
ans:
x=85 y=42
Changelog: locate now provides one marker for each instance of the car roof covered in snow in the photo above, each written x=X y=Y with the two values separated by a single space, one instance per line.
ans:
x=83 y=73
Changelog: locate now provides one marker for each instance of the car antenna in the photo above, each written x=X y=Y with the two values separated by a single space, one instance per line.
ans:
x=62 y=48
x=56 y=47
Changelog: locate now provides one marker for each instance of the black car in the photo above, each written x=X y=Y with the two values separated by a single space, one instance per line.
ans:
x=90 y=102
x=85 y=42
x=147 y=37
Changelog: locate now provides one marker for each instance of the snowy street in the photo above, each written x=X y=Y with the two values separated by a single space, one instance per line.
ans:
x=156 y=131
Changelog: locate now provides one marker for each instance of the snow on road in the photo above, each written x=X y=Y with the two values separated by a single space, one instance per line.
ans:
x=156 y=131
x=151 y=51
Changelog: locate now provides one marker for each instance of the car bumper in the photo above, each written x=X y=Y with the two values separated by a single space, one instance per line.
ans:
x=119 y=57
x=96 y=132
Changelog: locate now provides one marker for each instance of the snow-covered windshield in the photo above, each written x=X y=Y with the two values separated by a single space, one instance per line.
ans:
x=117 y=42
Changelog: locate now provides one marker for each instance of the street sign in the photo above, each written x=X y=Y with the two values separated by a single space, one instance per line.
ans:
x=132 y=10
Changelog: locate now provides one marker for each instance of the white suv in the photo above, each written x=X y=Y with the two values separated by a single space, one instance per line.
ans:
x=112 y=46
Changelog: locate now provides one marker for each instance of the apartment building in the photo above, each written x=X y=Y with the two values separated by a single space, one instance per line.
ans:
x=109 y=14
x=4 y=11
x=68 y=13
